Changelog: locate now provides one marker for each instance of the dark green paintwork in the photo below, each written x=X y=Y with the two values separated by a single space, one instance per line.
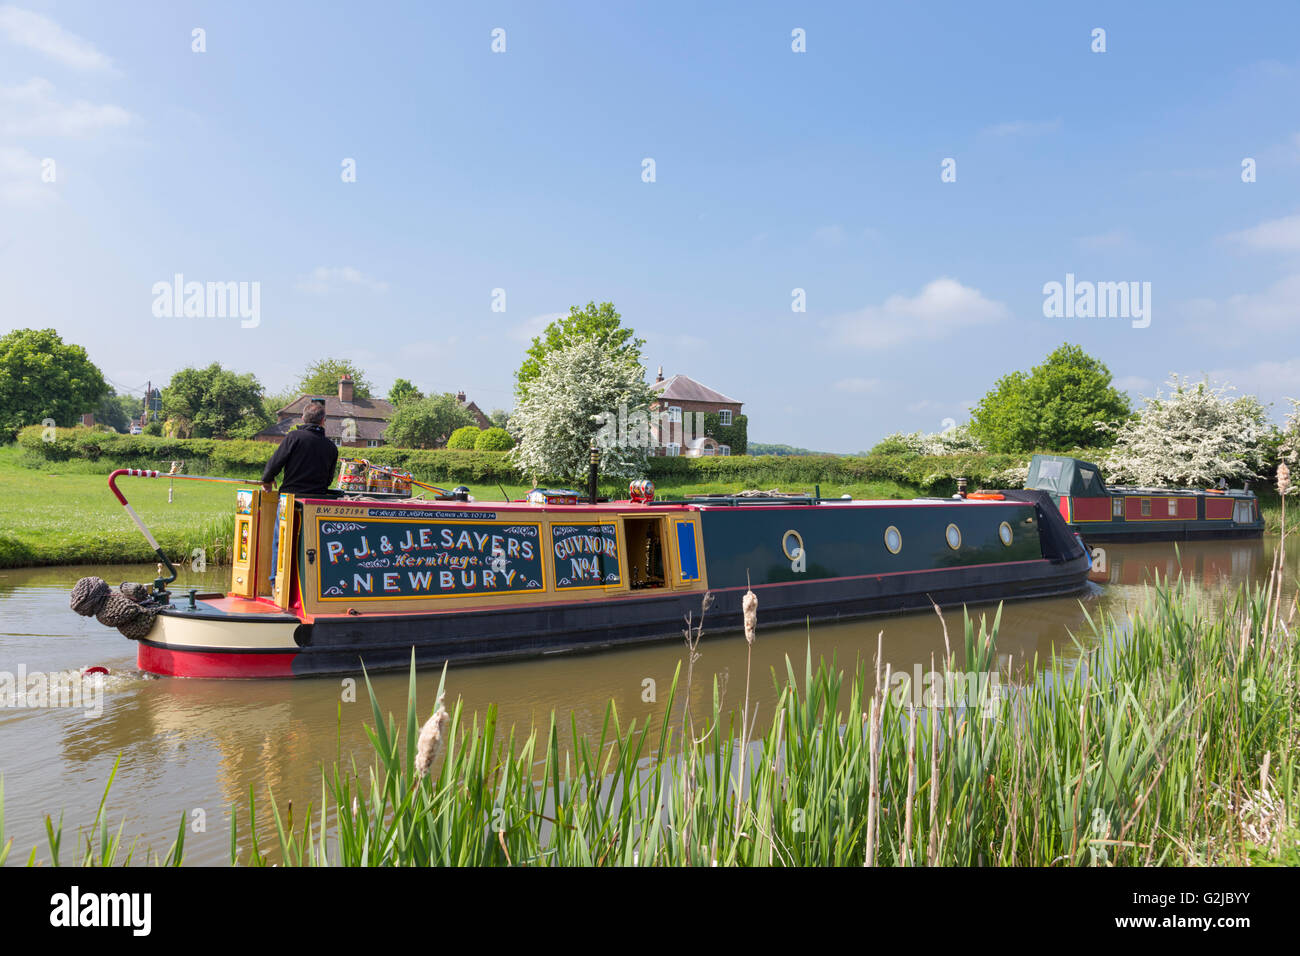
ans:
x=849 y=540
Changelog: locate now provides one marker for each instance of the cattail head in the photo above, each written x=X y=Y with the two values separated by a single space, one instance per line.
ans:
x=429 y=745
x=706 y=603
x=1283 y=478
x=750 y=607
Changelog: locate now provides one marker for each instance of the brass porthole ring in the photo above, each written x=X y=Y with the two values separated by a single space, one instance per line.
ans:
x=893 y=539
x=952 y=534
x=792 y=553
x=1005 y=533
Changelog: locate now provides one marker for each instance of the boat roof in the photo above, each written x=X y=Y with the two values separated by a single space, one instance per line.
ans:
x=624 y=506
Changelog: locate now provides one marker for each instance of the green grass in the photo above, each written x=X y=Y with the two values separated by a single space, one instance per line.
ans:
x=64 y=513
x=1169 y=741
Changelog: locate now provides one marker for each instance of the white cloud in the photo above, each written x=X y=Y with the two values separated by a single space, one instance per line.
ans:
x=1274 y=235
x=43 y=35
x=858 y=385
x=31 y=109
x=20 y=178
x=1023 y=128
x=1134 y=384
x=531 y=328
x=1117 y=239
x=325 y=279
x=1270 y=380
x=1276 y=309
x=942 y=307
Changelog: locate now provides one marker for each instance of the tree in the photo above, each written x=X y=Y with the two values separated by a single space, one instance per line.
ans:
x=427 y=422
x=464 y=437
x=595 y=323
x=500 y=418
x=403 y=391
x=1052 y=407
x=116 y=411
x=322 y=378
x=214 y=402
x=494 y=439
x=952 y=441
x=579 y=390
x=1192 y=437
x=41 y=377
x=1288 y=449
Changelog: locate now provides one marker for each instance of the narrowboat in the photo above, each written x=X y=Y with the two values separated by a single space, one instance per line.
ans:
x=1121 y=513
x=372 y=578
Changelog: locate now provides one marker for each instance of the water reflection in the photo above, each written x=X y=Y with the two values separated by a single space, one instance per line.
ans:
x=188 y=745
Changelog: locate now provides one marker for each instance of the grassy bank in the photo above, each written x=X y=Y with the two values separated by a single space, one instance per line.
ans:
x=1172 y=741
x=63 y=513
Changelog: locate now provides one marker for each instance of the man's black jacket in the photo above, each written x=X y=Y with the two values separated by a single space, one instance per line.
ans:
x=308 y=459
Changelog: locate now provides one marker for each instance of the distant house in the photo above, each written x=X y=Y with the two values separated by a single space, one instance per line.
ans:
x=350 y=421
x=677 y=414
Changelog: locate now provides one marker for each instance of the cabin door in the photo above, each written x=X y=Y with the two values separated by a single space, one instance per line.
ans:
x=647 y=565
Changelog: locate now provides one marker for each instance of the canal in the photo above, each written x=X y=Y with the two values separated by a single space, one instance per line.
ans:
x=194 y=747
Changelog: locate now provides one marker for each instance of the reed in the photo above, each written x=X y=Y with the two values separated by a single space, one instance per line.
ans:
x=1171 y=740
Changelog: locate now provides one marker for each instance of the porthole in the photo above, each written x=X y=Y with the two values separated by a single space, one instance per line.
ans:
x=792 y=544
x=1004 y=532
x=952 y=534
x=893 y=539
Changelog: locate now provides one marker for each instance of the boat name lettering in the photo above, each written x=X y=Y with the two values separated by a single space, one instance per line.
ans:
x=585 y=555
x=435 y=515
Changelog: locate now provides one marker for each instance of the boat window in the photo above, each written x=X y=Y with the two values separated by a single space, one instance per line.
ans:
x=686 y=551
x=893 y=539
x=1173 y=507
x=645 y=556
x=1004 y=532
x=1086 y=476
x=1146 y=507
x=1117 y=508
x=952 y=534
x=1049 y=469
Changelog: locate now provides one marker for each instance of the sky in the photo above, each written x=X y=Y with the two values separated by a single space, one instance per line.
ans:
x=791 y=147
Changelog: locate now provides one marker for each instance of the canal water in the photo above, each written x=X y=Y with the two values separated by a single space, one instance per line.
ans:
x=193 y=747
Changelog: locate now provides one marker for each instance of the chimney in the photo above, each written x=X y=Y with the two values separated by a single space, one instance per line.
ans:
x=460 y=397
x=345 y=388
x=660 y=376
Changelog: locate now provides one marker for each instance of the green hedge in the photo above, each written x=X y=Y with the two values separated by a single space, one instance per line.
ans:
x=931 y=473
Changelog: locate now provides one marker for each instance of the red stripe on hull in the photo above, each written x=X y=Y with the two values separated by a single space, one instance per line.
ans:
x=174 y=663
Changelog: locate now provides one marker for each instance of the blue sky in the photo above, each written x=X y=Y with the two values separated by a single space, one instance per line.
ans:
x=774 y=170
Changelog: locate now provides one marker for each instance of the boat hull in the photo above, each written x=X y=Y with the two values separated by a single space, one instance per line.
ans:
x=211 y=644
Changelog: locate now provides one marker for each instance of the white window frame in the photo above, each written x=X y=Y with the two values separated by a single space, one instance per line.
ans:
x=724 y=416
x=724 y=449
x=338 y=442
x=674 y=415
x=673 y=449
x=372 y=442
x=1173 y=507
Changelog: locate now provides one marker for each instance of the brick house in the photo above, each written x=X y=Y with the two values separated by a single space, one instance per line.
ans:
x=677 y=416
x=350 y=421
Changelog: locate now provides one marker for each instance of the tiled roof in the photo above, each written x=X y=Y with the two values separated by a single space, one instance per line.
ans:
x=685 y=389
x=358 y=408
x=368 y=429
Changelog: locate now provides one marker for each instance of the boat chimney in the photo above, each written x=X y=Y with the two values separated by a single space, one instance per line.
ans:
x=961 y=487
x=591 y=474
x=1245 y=485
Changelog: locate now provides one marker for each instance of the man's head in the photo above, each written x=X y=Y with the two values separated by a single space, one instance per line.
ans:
x=314 y=413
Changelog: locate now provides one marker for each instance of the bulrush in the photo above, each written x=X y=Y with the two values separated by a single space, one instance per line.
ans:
x=1283 y=479
x=430 y=742
x=750 y=607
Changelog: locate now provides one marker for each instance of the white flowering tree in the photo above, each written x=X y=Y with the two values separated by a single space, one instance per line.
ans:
x=1194 y=435
x=950 y=441
x=574 y=394
x=1288 y=450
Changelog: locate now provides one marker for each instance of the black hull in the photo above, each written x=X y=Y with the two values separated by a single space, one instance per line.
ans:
x=335 y=646
x=1117 y=537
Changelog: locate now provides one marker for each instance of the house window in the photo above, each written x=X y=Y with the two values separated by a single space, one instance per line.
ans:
x=338 y=442
x=674 y=414
x=724 y=416
x=1173 y=507
x=674 y=449
x=724 y=449
x=372 y=443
